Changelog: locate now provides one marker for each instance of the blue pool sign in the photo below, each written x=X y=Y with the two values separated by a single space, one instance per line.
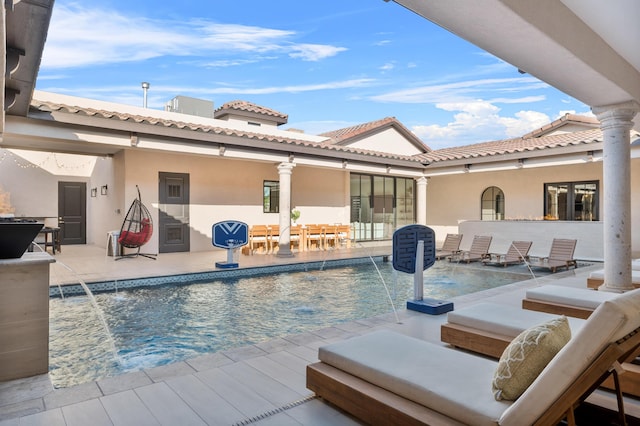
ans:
x=414 y=250
x=405 y=245
x=229 y=234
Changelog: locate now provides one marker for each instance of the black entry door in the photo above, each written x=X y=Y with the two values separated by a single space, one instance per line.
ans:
x=174 y=212
x=72 y=212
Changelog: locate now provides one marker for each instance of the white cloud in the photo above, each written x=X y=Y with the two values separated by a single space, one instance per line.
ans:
x=387 y=67
x=459 y=91
x=314 y=52
x=163 y=92
x=524 y=122
x=478 y=121
x=81 y=36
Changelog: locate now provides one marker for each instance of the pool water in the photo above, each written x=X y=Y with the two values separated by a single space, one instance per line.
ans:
x=155 y=326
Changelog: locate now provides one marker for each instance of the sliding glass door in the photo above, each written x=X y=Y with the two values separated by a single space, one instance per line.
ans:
x=379 y=205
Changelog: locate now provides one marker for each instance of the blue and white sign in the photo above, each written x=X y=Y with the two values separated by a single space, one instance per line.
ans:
x=405 y=244
x=230 y=234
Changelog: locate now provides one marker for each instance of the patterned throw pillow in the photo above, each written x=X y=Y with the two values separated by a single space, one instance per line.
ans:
x=527 y=355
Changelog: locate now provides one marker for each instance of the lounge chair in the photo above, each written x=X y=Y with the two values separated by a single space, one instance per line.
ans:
x=560 y=255
x=450 y=246
x=596 y=278
x=518 y=252
x=488 y=328
x=562 y=300
x=479 y=250
x=387 y=376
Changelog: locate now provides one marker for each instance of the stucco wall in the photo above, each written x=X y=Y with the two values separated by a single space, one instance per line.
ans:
x=455 y=198
x=224 y=189
x=388 y=141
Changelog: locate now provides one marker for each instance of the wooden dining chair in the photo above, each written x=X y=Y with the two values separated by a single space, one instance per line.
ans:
x=258 y=238
x=315 y=237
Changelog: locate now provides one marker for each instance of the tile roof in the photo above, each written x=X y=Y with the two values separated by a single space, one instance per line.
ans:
x=440 y=156
x=349 y=134
x=245 y=106
x=565 y=119
x=279 y=138
x=516 y=145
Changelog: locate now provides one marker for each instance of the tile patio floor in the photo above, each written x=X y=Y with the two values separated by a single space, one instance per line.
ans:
x=258 y=384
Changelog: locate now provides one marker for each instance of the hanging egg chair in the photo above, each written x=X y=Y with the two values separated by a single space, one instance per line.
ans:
x=137 y=228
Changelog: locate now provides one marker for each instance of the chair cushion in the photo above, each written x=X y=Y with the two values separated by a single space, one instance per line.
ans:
x=506 y=320
x=527 y=355
x=451 y=382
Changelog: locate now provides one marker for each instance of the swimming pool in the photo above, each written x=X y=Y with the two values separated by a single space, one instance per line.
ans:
x=159 y=325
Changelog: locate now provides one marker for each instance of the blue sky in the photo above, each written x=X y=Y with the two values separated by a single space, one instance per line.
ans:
x=328 y=65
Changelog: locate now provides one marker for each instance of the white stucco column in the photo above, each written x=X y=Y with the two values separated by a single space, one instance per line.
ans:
x=421 y=201
x=615 y=122
x=284 y=240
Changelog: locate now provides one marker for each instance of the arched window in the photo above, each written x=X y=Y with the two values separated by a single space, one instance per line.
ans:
x=492 y=204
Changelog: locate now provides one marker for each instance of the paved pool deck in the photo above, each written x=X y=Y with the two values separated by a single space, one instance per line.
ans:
x=257 y=384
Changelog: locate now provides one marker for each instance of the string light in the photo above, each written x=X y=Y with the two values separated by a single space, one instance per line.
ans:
x=51 y=157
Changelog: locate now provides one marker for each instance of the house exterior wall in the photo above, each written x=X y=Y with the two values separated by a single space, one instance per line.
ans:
x=239 y=119
x=223 y=189
x=453 y=205
x=453 y=198
x=388 y=140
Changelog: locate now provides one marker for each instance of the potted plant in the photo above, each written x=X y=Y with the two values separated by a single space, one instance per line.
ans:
x=295 y=215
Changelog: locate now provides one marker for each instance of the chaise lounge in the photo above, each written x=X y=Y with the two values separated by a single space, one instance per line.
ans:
x=388 y=377
x=560 y=255
x=479 y=250
x=561 y=300
x=488 y=328
x=517 y=253
x=596 y=278
x=450 y=246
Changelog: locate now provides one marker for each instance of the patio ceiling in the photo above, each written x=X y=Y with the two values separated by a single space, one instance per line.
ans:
x=586 y=48
x=24 y=29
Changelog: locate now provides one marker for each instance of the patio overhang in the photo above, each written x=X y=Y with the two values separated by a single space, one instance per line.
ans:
x=585 y=48
x=23 y=28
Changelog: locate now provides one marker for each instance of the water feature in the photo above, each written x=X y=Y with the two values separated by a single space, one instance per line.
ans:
x=96 y=309
x=156 y=326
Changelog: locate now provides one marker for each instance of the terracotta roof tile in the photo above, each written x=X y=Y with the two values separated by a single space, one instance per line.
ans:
x=509 y=146
x=347 y=135
x=246 y=106
x=337 y=136
x=567 y=118
x=46 y=106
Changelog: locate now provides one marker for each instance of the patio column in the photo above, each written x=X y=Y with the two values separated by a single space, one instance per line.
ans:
x=421 y=201
x=616 y=124
x=284 y=240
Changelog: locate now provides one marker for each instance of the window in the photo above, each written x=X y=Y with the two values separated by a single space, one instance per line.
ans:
x=380 y=204
x=571 y=201
x=271 y=197
x=492 y=204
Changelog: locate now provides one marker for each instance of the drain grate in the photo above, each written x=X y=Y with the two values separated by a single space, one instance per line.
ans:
x=275 y=411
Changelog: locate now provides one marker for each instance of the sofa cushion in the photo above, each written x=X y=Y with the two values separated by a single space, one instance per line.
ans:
x=527 y=355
